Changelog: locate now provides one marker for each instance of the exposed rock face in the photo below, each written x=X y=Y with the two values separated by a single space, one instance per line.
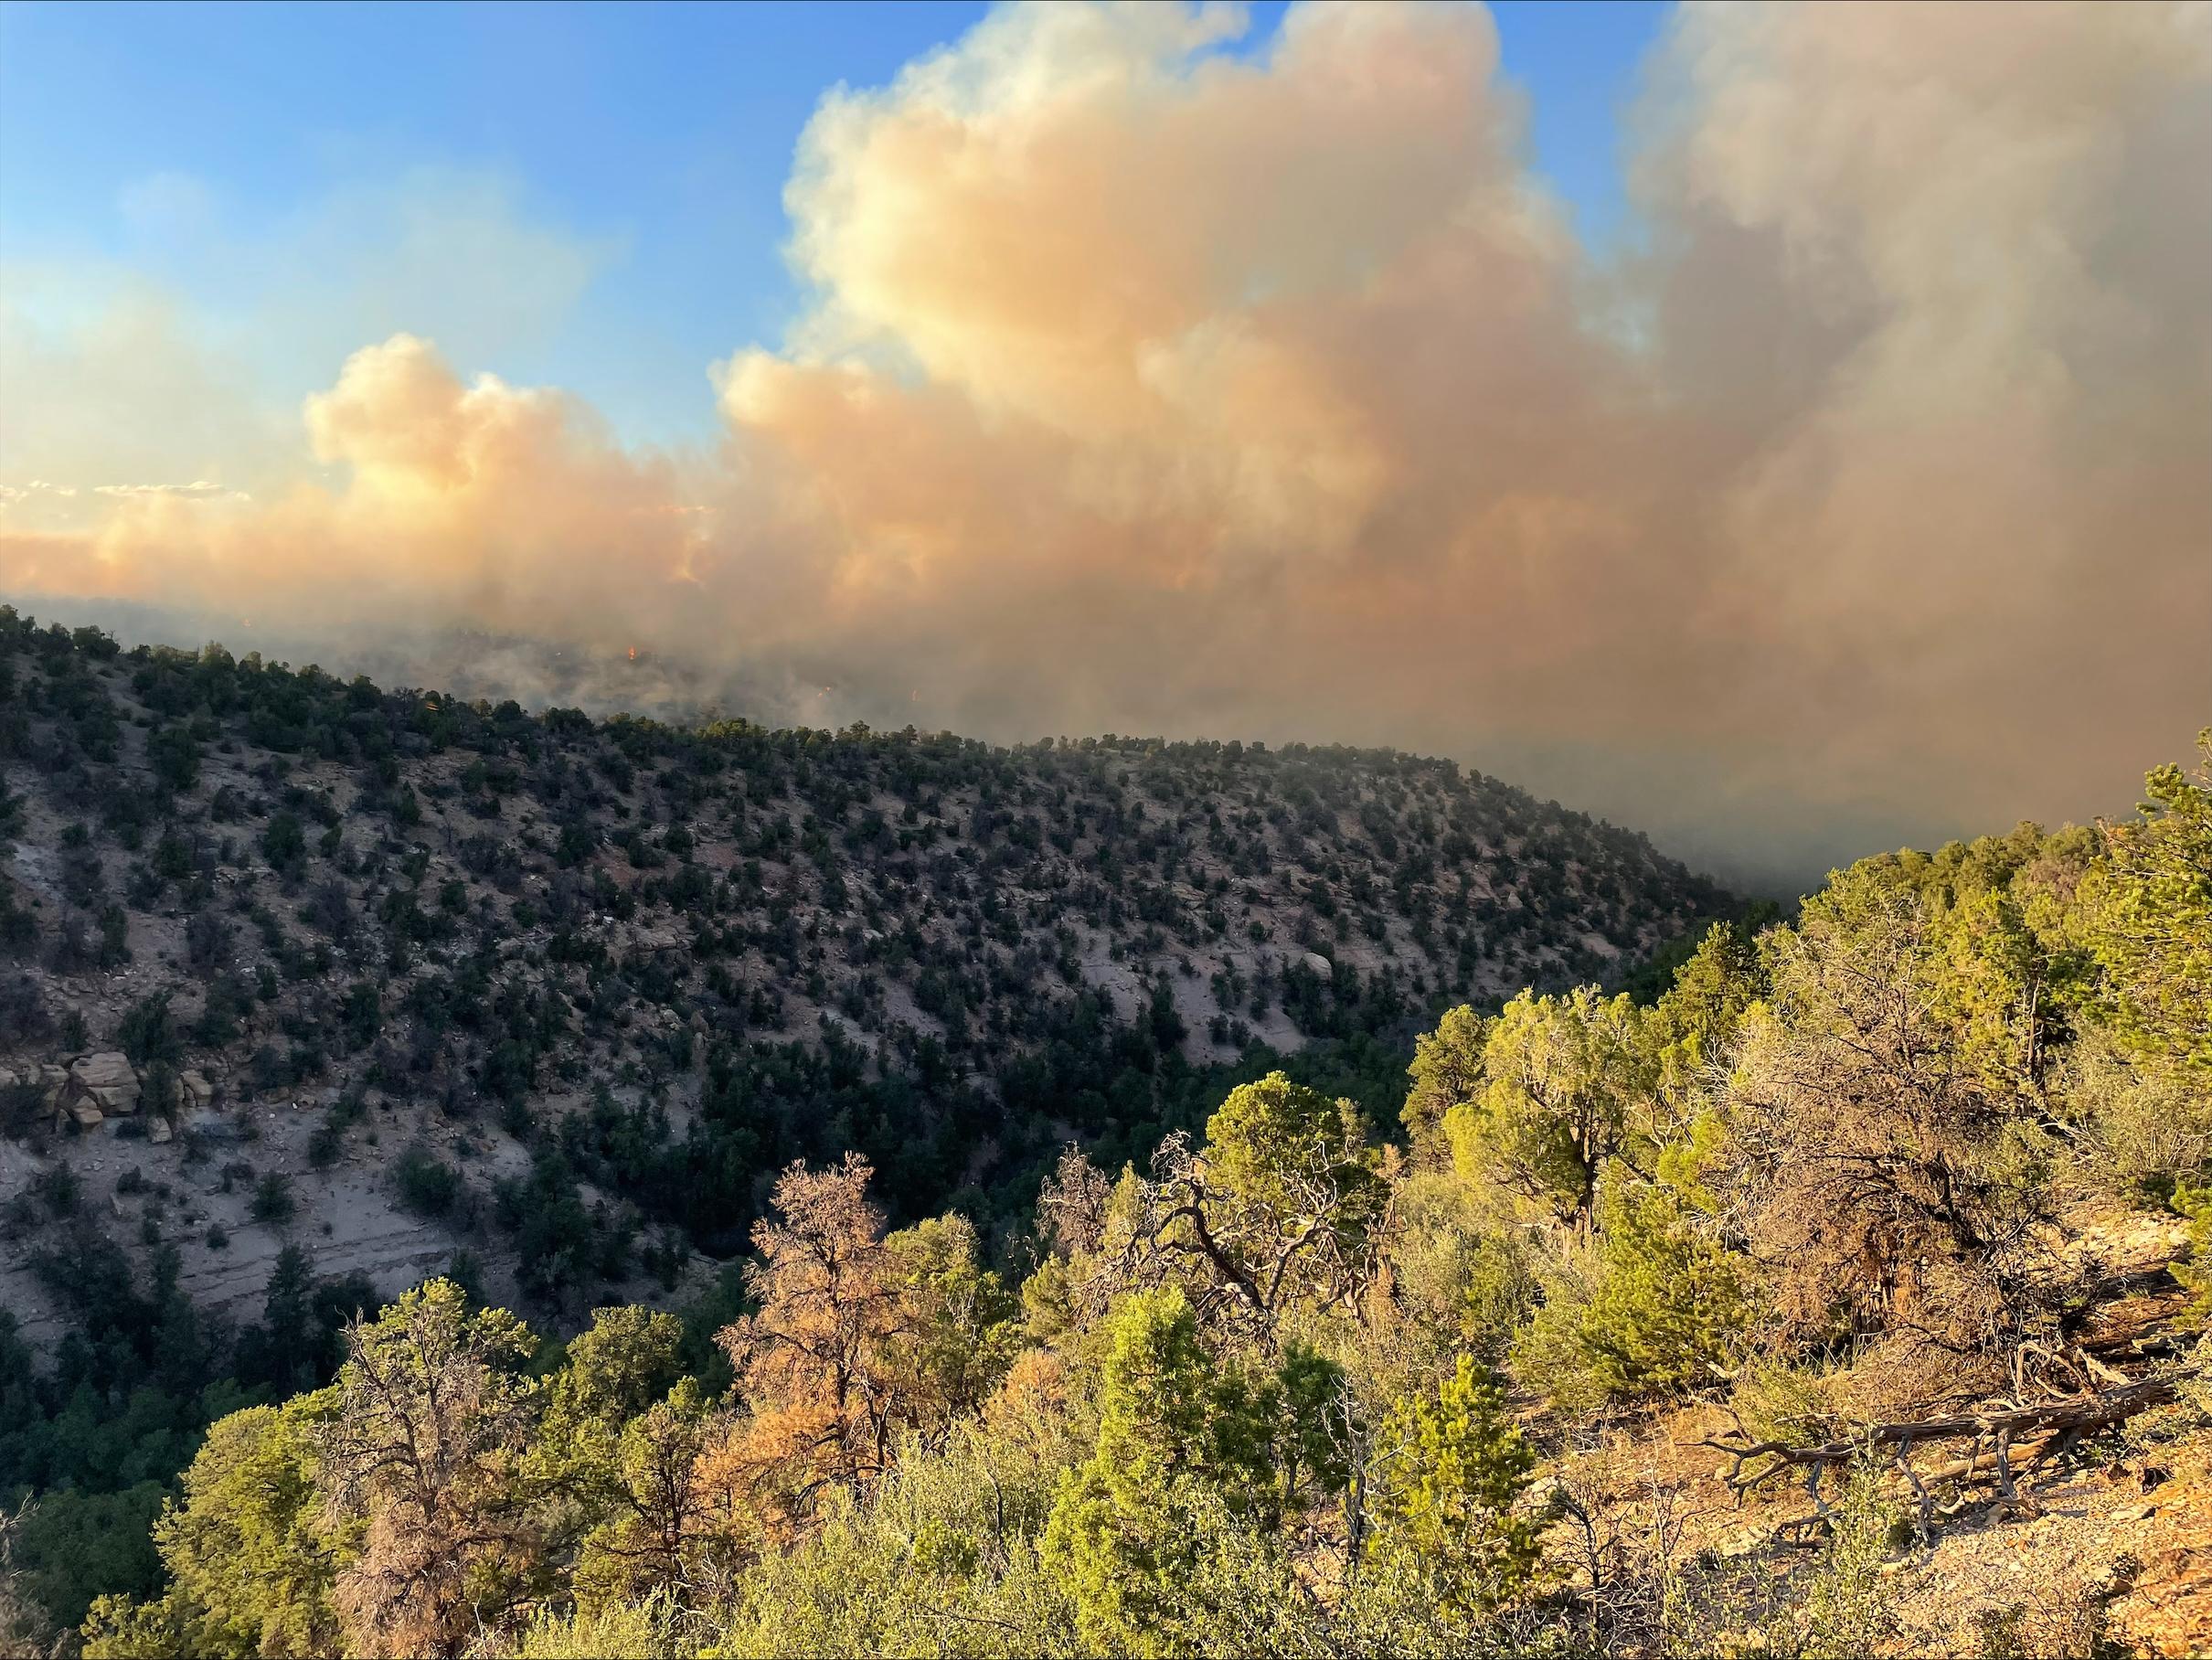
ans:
x=1319 y=963
x=107 y=1081
x=197 y=1091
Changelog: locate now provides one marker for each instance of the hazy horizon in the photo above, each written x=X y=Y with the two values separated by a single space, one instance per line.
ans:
x=1824 y=473
x=605 y=681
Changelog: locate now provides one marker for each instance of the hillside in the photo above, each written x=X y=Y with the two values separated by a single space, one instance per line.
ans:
x=1841 y=1290
x=415 y=975
x=1848 y=1297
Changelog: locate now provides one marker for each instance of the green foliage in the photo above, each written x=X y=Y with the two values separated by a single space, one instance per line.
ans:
x=1561 y=1079
x=1182 y=1447
x=1774 y=1401
x=101 y=1429
x=174 y=754
x=428 y=1185
x=1447 y=1070
x=1448 y=1472
x=1288 y=1195
x=598 y=1383
x=272 y=1204
x=2196 y=1273
x=296 y=1345
x=79 y=1545
x=2150 y=908
x=1692 y=1027
x=1659 y=1305
x=943 y=1559
x=1465 y=1280
x=644 y=1629
x=1268 y=1139
x=961 y=1326
x=249 y=1553
x=147 y=1035
x=612 y=1372
x=1849 y=1609
x=2149 y=1121
x=284 y=843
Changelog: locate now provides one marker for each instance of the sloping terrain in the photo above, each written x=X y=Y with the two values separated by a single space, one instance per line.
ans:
x=403 y=975
x=2103 y=1548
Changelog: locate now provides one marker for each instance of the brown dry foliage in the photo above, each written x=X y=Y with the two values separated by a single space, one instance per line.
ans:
x=1871 y=1168
x=422 y=1456
x=812 y=1364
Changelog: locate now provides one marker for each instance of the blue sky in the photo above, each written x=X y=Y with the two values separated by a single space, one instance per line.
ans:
x=634 y=157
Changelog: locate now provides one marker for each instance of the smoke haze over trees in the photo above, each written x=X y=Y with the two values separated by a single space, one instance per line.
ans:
x=1149 y=384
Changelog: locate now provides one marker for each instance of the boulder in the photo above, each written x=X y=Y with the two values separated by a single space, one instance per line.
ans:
x=86 y=1115
x=107 y=1081
x=1319 y=965
x=158 y=1131
x=198 y=1092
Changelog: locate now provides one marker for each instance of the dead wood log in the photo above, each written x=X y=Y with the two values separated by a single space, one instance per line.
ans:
x=2001 y=1424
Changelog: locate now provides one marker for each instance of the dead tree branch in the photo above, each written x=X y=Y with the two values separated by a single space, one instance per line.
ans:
x=2005 y=1426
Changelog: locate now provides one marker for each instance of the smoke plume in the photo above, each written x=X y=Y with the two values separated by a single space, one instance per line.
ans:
x=1150 y=385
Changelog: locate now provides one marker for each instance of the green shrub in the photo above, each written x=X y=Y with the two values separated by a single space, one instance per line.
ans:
x=1849 y=1609
x=1659 y=1304
x=1452 y=1470
x=427 y=1187
x=272 y=1202
x=1774 y=1401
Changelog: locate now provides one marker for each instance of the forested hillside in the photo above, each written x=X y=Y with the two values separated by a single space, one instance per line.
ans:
x=1844 y=1299
x=1844 y=1293
x=684 y=957
x=309 y=989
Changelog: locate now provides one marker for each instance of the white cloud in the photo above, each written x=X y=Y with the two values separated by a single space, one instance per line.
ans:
x=197 y=487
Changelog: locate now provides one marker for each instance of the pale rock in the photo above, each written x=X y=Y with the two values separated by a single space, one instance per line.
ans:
x=108 y=1079
x=1319 y=963
x=158 y=1131
x=198 y=1092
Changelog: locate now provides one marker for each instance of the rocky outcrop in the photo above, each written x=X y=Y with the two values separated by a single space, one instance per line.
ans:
x=50 y=1081
x=107 y=1081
